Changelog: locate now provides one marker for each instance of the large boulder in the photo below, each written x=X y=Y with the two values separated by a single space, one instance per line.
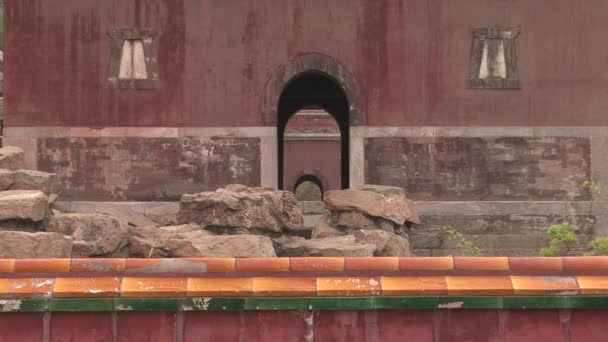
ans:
x=104 y=234
x=31 y=205
x=389 y=203
x=11 y=158
x=347 y=245
x=192 y=241
x=239 y=206
x=34 y=245
x=28 y=180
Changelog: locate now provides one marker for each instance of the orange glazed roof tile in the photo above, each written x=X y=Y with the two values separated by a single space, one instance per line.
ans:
x=302 y=277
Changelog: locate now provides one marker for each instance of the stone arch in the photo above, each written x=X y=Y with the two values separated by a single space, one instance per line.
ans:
x=303 y=175
x=314 y=62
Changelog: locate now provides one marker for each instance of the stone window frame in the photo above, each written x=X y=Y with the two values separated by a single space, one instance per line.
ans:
x=150 y=42
x=508 y=35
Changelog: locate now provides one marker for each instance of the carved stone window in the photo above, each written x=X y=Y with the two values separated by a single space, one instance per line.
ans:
x=494 y=59
x=133 y=59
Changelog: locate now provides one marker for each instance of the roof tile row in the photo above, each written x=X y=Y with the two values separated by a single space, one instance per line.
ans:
x=307 y=264
x=103 y=287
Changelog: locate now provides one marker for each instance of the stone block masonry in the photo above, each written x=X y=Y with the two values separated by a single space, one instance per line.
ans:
x=133 y=168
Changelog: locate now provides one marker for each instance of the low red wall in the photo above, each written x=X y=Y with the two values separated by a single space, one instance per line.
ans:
x=334 y=326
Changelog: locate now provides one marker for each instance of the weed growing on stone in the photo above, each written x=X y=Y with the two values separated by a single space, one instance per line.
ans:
x=598 y=246
x=562 y=239
x=468 y=248
x=592 y=188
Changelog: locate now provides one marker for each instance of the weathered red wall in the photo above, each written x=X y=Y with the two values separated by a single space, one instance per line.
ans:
x=321 y=156
x=411 y=59
x=148 y=169
x=334 y=326
x=481 y=169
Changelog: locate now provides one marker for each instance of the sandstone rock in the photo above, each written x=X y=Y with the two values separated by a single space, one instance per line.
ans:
x=349 y=220
x=238 y=206
x=382 y=189
x=192 y=241
x=104 y=233
x=347 y=245
x=149 y=242
x=82 y=249
x=34 y=245
x=11 y=158
x=28 y=180
x=23 y=205
x=165 y=215
x=121 y=212
x=52 y=198
x=378 y=201
x=324 y=229
x=387 y=244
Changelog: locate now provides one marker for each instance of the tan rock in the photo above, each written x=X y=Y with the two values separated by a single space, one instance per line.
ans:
x=349 y=220
x=387 y=244
x=385 y=202
x=347 y=245
x=34 y=245
x=165 y=215
x=238 y=246
x=324 y=229
x=150 y=242
x=121 y=212
x=382 y=189
x=23 y=205
x=28 y=180
x=82 y=249
x=11 y=158
x=238 y=206
x=104 y=233
x=192 y=241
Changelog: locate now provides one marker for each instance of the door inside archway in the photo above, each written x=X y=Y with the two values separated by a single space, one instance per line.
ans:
x=314 y=91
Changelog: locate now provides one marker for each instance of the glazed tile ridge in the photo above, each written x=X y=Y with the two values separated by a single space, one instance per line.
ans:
x=300 y=287
x=313 y=265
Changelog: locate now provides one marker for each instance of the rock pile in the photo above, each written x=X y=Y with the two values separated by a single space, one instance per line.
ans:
x=235 y=221
x=364 y=221
x=24 y=210
x=239 y=207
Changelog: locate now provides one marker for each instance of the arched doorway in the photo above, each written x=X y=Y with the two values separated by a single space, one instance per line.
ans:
x=308 y=188
x=314 y=89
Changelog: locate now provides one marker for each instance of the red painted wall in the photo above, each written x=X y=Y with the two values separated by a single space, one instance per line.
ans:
x=411 y=59
x=322 y=156
x=332 y=326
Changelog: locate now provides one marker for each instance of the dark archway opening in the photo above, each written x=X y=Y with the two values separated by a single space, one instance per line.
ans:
x=315 y=89
x=308 y=188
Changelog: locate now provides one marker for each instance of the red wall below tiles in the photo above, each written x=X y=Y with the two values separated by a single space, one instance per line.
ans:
x=334 y=326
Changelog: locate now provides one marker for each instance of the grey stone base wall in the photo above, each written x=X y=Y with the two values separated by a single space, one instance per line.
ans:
x=497 y=228
x=499 y=210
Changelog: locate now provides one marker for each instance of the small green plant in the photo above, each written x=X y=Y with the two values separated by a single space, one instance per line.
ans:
x=592 y=188
x=598 y=246
x=561 y=240
x=468 y=248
